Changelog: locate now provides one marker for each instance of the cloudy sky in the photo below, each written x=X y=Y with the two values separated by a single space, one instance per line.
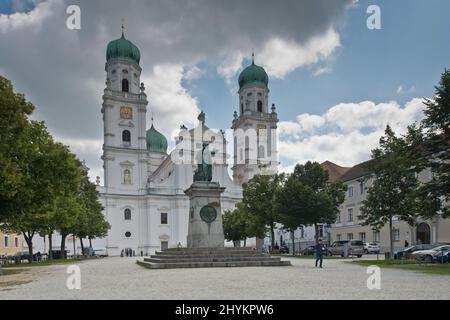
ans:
x=336 y=83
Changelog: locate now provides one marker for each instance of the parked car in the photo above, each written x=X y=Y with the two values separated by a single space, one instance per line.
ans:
x=406 y=253
x=100 y=253
x=308 y=251
x=355 y=248
x=429 y=255
x=443 y=257
x=371 y=247
x=284 y=249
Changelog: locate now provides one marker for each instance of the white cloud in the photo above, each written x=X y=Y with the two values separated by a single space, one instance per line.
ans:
x=31 y=20
x=346 y=133
x=281 y=56
x=193 y=73
x=322 y=71
x=170 y=103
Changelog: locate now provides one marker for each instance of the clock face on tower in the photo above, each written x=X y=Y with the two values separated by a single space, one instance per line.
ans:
x=126 y=113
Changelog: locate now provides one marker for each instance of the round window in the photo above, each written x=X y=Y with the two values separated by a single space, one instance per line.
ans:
x=128 y=234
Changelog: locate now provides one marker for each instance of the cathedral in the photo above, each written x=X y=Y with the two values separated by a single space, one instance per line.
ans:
x=144 y=182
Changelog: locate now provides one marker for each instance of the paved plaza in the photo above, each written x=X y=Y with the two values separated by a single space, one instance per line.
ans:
x=122 y=278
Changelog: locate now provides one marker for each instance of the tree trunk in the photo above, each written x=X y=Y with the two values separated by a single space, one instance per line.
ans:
x=63 y=245
x=293 y=242
x=90 y=243
x=50 y=246
x=391 y=242
x=29 y=240
x=82 y=245
x=272 y=236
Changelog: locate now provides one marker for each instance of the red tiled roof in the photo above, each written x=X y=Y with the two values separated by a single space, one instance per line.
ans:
x=335 y=172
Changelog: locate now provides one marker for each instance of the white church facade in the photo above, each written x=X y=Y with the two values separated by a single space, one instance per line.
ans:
x=144 y=183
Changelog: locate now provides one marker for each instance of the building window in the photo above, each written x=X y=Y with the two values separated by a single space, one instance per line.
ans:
x=376 y=236
x=361 y=187
x=128 y=234
x=114 y=71
x=125 y=85
x=16 y=242
x=361 y=213
x=242 y=108
x=127 y=214
x=396 y=234
x=127 y=176
x=163 y=217
x=260 y=106
x=338 y=237
x=362 y=236
x=126 y=137
x=338 y=218
x=349 y=236
x=6 y=241
x=350 y=192
x=350 y=215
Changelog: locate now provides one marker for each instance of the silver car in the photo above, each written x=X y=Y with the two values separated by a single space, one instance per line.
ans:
x=429 y=255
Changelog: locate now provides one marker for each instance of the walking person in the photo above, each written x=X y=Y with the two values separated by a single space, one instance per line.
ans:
x=319 y=252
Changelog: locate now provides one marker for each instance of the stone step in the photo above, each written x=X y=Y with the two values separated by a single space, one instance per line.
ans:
x=210 y=259
x=258 y=263
x=209 y=250
x=202 y=255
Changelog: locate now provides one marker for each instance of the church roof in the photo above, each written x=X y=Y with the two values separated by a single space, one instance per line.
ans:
x=156 y=142
x=123 y=49
x=253 y=74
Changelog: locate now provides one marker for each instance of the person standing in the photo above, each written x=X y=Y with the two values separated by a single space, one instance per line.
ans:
x=319 y=252
x=406 y=244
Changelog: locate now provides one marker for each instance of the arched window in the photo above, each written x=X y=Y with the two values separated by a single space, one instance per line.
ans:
x=126 y=136
x=124 y=85
x=260 y=106
x=127 y=214
x=242 y=108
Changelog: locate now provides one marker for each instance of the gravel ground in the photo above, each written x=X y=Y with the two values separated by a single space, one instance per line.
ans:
x=122 y=278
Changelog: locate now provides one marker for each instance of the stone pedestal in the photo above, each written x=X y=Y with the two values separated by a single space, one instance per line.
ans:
x=205 y=228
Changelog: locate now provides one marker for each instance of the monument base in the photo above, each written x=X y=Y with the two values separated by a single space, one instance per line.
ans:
x=205 y=228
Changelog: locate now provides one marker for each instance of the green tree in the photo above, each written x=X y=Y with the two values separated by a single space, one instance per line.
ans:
x=234 y=226
x=309 y=198
x=259 y=200
x=436 y=148
x=91 y=222
x=394 y=184
x=14 y=146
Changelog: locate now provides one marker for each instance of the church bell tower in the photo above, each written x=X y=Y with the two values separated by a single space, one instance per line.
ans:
x=254 y=127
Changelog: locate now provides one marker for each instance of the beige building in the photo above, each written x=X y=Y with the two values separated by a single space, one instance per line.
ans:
x=351 y=216
x=10 y=244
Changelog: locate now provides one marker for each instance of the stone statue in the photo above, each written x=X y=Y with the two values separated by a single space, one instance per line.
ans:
x=204 y=167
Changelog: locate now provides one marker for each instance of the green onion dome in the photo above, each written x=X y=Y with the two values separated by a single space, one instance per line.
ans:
x=156 y=142
x=253 y=74
x=123 y=49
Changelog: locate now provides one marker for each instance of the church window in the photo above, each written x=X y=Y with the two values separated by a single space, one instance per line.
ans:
x=127 y=214
x=135 y=75
x=259 y=94
x=125 y=85
x=260 y=106
x=128 y=234
x=242 y=108
x=127 y=176
x=126 y=137
x=114 y=71
x=163 y=217
x=249 y=94
x=125 y=71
